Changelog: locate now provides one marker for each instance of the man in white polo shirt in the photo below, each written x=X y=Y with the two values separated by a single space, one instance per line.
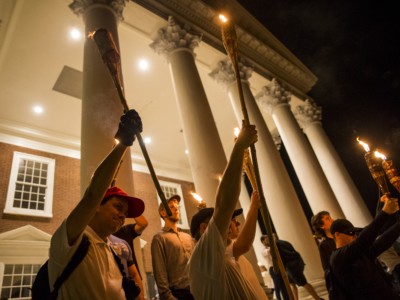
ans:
x=101 y=212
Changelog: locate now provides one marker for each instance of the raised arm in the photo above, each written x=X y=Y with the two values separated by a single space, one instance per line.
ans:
x=102 y=177
x=141 y=224
x=229 y=187
x=246 y=236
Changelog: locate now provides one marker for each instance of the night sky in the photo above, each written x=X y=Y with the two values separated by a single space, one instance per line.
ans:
x=353 y=48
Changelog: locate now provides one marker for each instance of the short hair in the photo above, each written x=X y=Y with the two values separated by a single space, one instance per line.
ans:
x=316 y=223
x=161 y=207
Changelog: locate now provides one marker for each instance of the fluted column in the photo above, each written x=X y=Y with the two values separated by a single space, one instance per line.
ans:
x=353 y=206
x=286 y=212
x=206 y=154
x=275 y=100
x=101 y=107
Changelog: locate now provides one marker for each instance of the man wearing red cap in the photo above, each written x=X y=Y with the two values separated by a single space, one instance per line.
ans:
x=101 y=212
x=212 y=274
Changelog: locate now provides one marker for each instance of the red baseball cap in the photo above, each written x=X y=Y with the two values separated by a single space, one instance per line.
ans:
x=135 y=205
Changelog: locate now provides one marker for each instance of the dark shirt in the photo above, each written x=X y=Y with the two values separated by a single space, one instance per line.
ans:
x=287 y=252
x=326 y=247
x=355 y=266
x=128 y=234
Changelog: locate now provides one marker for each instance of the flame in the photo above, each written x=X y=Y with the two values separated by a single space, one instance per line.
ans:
x=236 y=131
x=91 y=34
x=116 y=141
x=197 y=197
x=380 y=155
x=223 y=18
x=365 y=145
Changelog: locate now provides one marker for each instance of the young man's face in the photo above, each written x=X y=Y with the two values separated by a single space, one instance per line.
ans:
x=326 y=222
x=175 y=213
x=113 y=213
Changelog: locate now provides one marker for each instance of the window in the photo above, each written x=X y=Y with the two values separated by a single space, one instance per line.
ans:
x=169 y=189
x=30 y=190
x=17 y=280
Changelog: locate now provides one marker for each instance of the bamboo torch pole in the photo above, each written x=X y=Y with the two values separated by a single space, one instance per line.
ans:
x=111 y=59
x=229 y=40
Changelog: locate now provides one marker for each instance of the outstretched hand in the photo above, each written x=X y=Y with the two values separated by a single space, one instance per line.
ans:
x=255 y=200
x=130 y=124
x=247 y=136
x=391 y=205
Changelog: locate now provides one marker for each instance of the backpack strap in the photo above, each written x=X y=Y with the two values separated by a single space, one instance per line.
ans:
x=76 y=259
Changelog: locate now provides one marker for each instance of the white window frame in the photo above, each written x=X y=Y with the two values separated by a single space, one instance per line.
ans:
x=21 y=284
x=184 y=224
x=48 y=205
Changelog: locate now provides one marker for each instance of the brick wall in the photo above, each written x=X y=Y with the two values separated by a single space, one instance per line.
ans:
x=66 y=190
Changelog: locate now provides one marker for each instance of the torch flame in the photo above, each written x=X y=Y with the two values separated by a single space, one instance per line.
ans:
x=380 y=155
x=197 y=197
x=223 y=18
x=365 y=145
x=236 y=131
x=91 y=34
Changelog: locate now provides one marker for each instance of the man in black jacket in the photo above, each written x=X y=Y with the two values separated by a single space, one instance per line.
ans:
x=294 y=266
x=354 y=264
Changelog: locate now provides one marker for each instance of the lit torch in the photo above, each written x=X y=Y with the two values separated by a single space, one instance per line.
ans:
x=201 y=204
x=375 y=168
x=111 y=58
x=390 y=170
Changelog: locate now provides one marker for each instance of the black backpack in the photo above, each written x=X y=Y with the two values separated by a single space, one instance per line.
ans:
x=41 y=289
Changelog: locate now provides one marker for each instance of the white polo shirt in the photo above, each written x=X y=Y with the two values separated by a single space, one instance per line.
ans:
x=96 y=277
x=212 y=274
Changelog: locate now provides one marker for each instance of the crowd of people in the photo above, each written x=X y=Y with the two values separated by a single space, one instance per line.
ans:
x=209 y=263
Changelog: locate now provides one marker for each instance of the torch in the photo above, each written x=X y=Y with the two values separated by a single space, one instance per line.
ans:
x=112 y=60
x=391 y=172
x=201 y=204
x=375 y=168
x=229 y=39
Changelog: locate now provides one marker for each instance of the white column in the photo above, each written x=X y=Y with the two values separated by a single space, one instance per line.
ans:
x=206 y=154
x=275 y=100
x=101 y=107
x=286 y=212
x=353 y=206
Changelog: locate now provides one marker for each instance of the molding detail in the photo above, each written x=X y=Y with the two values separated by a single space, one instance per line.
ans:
x=269 y=56
x=79 y=6
x=276 y=137
x=225 y=74
x=308 y=113
x=272 y=95
x=175 y=36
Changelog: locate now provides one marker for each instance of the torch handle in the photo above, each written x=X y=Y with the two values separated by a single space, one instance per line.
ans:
x=230 y=43
x=113 y=63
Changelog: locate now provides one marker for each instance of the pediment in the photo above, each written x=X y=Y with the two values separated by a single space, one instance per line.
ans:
x=25 y=233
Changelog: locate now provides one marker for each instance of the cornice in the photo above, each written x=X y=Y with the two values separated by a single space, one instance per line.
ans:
x=269 y=57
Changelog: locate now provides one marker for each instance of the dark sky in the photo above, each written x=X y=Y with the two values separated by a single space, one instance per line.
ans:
x=353 y=48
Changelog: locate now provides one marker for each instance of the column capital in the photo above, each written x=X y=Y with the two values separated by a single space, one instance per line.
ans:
x=308 y=113
x=79 y=6
x=174 y=36
x=224 y=73
x=272 y=95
